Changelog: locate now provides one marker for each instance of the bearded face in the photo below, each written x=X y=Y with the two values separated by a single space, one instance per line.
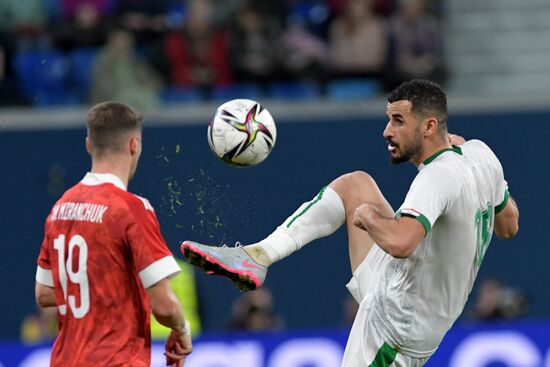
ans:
x=403 y=149
x=403 y=133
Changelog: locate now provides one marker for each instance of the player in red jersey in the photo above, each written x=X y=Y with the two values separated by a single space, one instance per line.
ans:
x=104 y=262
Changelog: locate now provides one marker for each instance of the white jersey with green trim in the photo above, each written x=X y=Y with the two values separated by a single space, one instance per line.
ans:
x=454 y=196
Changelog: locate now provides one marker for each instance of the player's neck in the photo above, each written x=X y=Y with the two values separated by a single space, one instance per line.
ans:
x=113 y=168
x=430 y=148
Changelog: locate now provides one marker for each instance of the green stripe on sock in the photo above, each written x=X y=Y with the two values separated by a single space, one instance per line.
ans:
x=317 y=198
x=385 y=356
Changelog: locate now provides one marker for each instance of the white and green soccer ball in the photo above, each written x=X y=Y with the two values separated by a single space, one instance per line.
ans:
x=242 y=132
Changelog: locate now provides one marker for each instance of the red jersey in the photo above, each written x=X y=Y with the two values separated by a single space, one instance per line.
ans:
x=102 y=248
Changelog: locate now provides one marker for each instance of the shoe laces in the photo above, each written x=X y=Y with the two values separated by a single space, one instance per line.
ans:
x=237 y=244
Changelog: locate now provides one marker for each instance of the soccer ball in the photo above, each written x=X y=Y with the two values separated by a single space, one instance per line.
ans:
x=242 y=132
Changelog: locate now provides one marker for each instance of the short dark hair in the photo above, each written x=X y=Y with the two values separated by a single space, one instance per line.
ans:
x=108 y=122
x=427 y=98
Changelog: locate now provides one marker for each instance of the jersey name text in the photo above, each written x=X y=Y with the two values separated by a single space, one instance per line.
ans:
x=86 y=212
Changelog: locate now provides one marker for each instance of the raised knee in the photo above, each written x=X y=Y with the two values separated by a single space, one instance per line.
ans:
x=353 y=183
x=357 y=178
x=357 y=188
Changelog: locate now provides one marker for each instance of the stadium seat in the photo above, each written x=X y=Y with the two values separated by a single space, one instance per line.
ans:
x=42 y=77
x=180 y=95
x=313 y=15
x=352 y=89
x=234 y=91
x=292 y=91
x=82 y=62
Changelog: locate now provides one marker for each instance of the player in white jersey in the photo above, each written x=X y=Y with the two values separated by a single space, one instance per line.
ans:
x=412 y=270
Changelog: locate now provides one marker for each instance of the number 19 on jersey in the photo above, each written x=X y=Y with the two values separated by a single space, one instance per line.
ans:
x=68 y=274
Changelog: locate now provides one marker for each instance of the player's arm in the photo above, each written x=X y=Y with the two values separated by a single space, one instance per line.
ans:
x=44 y=292
x=398 y=237
x=168 y=312
x=507 y=220
x=156 y=265
x=165 y=305
x=45 y=296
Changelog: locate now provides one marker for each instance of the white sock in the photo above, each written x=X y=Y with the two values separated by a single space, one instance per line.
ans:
x=317 y=218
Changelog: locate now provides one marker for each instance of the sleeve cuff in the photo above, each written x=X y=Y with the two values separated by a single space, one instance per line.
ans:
x=502 y=205
x=411 y=213
x=44 y=276
x=165 y=267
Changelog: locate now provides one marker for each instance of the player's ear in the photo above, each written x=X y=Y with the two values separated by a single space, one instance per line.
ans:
x=88 y=145
x=431 y=126
x=134 y=145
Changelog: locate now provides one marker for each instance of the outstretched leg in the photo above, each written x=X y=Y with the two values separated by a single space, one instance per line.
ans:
x=320 y=217
x=316 y=218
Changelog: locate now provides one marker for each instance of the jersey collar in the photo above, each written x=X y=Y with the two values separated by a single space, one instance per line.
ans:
x=431 y=158
x=92 y=179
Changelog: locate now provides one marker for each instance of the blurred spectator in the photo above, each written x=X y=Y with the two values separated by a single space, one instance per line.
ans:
x=2 y=64
x=9 y=94
x=143 y=17
x=225 y=9
x=22 y=16
x=314 y=15
x=416 y=44
x=254 y=311
x=143 y=7
x=197 y=54
x=23 y=19
x=337 y=6
x=382 y=7
x=252 y=45
x=495 y=301
x=119 y=75
x=358 y=41
x=149 y=21
x=86 y=28
x=302 y=54
x=385 y=7
x=70 y=8
x=186 y=43
x=40 y=326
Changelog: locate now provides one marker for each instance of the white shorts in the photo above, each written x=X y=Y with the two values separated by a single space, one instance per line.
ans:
x=366 y=347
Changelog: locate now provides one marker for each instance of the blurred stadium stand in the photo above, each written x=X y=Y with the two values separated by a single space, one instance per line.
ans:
x=43 y=78
x=238 y=90
x=347 y=90
x=81 y=63
x=491 y=47
x=295 y=91
x=498 y=47
x=180 y=95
